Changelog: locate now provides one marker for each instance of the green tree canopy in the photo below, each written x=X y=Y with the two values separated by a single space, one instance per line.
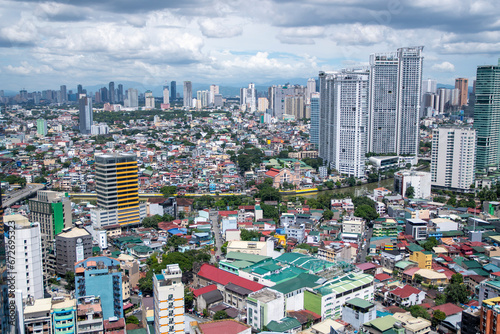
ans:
x=220 y=315
x=410 y=192
x=418 y=311
x=456 y=293
x=367 y=212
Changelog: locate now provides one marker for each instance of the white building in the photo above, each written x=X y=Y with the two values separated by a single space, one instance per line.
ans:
x=263 y=306
x=417 y=228
x=166 y=95
x=395 y=97
x=263 y=104
x=357 y=311
x=248 y=98
x=168 y=297
x=453 y=157
x=214 y=90
x=353 y=225
x=188 y=95
x=99 y=129
x=343 y=136
x=420 y=181
x=24 y=255
x=132 y=100
x=149 y=99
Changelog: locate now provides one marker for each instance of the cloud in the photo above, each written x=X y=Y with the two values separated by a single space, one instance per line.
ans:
x=219 y=28
x=61 y=12
x=27 y=69
x=444 y=67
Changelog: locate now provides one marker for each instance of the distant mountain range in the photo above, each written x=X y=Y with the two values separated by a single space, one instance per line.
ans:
x=229 y=90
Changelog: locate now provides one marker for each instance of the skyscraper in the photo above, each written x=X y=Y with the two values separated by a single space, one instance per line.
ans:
x=132 y=100
x=277 y=95
x=64 y=94
x=149 y=100
x=453 y=154
x=86 y=117
x=395 y=95
x=117 y=191
x=314 y=131
x=487 y=116
x=248 y=98
x=311 y=88
x=41 y=126
x=111 y=92
x=188 y=94
x=463 y=85
x=173 y=91
x=79 y=90
x=119 y=97
x=429 y=86
x=27 y=259
x=166 y=95
x=214 y=90
x=168 y=299
x=343 y=120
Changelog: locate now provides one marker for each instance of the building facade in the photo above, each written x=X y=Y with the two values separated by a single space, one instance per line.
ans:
x=395 y=97
x=462 y=84
x=487 y=116
x=314 y=131
x=188 y=94
x=85 y=112
x=117 y=191
x=343 y=121
x=420 y=181
x=168 y=297
x=453 y=158
x=72 y=245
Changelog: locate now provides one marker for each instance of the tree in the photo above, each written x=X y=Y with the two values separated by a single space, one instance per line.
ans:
x=456 y=293
x=457 y=279
x=437 y=317
x=366 y=212
x=168 y=191
x=410 y=192
x=430 y=244
x=247 y=235
x=175 y=241
x=188 y=298
x=40 y=179
x=328 y=214
x=418 y=311
x=418 y=278
x=440 y=299
x=152 y=221
x=132 y=320
x=351 y=181
x=220 y=315
x=329 y=184
x=30 y=148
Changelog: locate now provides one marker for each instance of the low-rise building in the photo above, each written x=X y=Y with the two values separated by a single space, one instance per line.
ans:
x=263 y=306
x=357 y=311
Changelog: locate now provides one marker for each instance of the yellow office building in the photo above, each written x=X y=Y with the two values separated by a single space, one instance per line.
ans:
x=117 y=189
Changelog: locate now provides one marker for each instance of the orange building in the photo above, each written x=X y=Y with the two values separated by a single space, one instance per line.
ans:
x=463 y=85
x=490 y=316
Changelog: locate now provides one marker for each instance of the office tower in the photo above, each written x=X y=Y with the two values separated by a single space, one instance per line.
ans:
x=202 y=97
x=119 y=97
x=395 y=94
x=248 y=98
x=462 y=85
x=311 y=88
x=72 y=245
x=487 y=116
x=277 y=96
x=214 y=90
x=117 y=191
x=26 y=263
x=64 y=94
x=430 y=105
x=111 y=92
x=343 y=120
x=218 y=101
x=86 y=117
x=295 y=105
x=455 y=97
x=97 y=97
x=104 y=94
x=79 y=90
x=453 y=155
x=444 y=99
x=173 y=91
x=166 y=95
x=41 y=127
x=101 y=276
x=89 y=315
x=314 y=131
x=429 y=86
x=149 y=100
x=262 y=104
x=188 y=94
x=132 y=100
x=168 y=299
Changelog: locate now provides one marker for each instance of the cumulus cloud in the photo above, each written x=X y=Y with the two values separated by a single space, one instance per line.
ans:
x=219 y=28
x=445 y=66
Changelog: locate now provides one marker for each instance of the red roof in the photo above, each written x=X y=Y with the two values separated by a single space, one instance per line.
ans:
x=382 y=277
x=448 y=308
x=272 y=172
x=208 y=288
x=223 y=277
x=223 y=327
x=406 y=291
x=366 y=266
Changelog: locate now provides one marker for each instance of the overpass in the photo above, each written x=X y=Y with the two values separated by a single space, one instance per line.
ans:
x=16 y=196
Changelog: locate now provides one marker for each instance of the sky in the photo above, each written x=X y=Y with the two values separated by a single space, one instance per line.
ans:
x=47 y=44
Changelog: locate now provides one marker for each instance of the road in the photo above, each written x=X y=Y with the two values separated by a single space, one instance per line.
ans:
x=365 y=246
x=214 y=219
x=29 y=190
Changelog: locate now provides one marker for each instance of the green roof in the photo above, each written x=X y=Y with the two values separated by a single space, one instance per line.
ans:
x=481 y=272
x=284 y=325
x=237 y=264
x=305 y=261
x=382 y=324
x=358 y=302
x=415 y=248
x=304 y=280
x=471 y=264
x=246 y=257
x=345 y=283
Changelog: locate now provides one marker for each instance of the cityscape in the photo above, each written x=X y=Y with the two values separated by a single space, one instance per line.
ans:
x=337 y=182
